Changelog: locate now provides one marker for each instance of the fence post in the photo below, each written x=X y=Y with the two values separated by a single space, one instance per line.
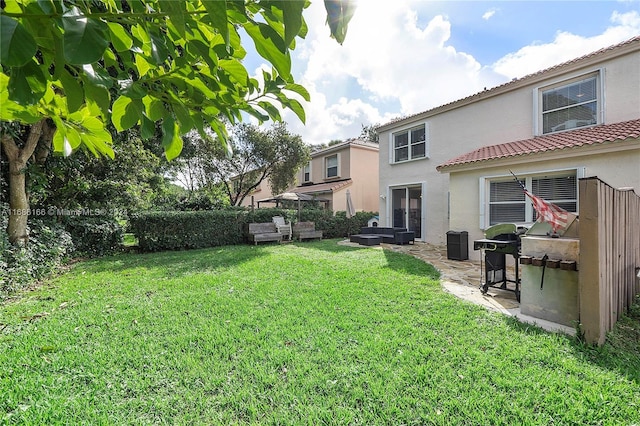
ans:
x=589 y=291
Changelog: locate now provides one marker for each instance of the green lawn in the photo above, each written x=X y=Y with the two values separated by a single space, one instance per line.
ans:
x=311 y=333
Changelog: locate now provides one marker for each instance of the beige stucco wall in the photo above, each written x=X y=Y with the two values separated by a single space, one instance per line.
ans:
x=617 y=168
x=357 y=162
x=500 y=115
x=363 y=167
x=260 y=193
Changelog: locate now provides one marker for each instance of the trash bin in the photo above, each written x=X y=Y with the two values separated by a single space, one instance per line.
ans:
x=457 y=245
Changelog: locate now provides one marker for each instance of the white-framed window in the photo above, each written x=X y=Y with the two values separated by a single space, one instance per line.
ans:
x=570 y=104
x=505 y=201
x=331 y=166
x=409 y=144
x=306 y=173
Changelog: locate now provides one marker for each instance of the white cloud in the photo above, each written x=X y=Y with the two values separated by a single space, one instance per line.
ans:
x=391 y=57
x=567 y=46
x=395 y=63
x=489 y=14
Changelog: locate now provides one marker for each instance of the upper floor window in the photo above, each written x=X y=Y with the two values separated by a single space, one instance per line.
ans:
x=571 y=105
x=331 y=164
x=410 y=144
x=508 y=203
x=306 y=173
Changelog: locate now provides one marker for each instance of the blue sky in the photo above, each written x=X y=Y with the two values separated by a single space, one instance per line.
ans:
x=402 y=57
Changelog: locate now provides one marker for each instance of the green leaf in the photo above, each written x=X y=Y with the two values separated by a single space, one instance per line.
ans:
x=147 y=129
x=120 y=38
x=11 y=110
x=72 y=137
x=142 y=65
x=171 y=140
x=84 y=39
x=184 y=119
x=300 y=90
x=97 y=75
x=27 y=84
x=134 y=90
x=217 y=11
x=198 y=123
x=72 y=90
x=339 y=13
x=17 y=46
x=296 y=107
x=235 y=69
x=125 y=113
x=292 y=15
x=154 y=108
x=272 y=110
x=223 y=137
x=99 y=96
x=175 y=11
x=98 y=143
x=261 y=117
x=159 y=49
x=60 y=142
x=271 y=47
x=47 y=6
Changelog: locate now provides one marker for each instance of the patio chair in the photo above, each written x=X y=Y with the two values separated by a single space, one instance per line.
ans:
x=283 y=227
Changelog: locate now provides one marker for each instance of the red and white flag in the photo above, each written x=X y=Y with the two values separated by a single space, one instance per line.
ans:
x=549 y=212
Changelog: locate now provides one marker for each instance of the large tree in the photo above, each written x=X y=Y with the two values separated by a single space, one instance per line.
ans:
x=70 y=67
x=275 y=155
x=258 y=154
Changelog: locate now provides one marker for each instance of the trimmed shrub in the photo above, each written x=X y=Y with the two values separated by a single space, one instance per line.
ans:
x=184 y=230
x=94 y=236
x=338 y=225
x=266 y=215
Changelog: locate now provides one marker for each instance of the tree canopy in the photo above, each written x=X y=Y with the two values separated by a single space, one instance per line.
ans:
x=83 y=64
x=258 y=154
x=69 y=68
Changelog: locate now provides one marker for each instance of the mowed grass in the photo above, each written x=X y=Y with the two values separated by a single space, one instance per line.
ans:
x=312 y=333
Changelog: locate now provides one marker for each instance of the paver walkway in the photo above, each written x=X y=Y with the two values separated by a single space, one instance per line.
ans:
x=463 y=279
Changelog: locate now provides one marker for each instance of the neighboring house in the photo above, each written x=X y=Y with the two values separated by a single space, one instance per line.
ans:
x=448 y=168
x=350 y=166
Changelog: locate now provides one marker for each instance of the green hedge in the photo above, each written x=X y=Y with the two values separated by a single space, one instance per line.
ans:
x=338 y=225
x=184 y=230
x=94 y=236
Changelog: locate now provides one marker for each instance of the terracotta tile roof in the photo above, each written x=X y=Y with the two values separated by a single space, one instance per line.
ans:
x=515 y=81
x=596 y=135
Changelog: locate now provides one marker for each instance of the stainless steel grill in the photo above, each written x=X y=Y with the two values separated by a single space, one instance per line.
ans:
x=500 y=240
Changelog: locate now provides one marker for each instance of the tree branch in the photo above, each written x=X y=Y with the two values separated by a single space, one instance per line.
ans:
x=10 y=147
x=32 y=141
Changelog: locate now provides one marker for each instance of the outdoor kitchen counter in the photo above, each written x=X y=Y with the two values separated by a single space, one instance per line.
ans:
x=548 y=291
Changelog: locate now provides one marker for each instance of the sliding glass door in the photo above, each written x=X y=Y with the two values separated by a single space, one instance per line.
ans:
x=406 y=209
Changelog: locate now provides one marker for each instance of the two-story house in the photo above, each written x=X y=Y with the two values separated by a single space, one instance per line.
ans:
x=448 y=168
x=347 y=167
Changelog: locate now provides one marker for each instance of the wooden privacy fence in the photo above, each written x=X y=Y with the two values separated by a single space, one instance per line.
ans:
x=609 y=255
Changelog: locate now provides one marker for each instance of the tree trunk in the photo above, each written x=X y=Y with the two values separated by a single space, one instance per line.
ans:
x=18 y=200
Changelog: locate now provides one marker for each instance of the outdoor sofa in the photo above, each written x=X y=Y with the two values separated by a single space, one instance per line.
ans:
x=374 y=235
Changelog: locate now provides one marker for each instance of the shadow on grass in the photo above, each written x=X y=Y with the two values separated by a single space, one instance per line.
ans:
x=619 y=353
x=400 y=262
x=408 y=264
x=328 y=245
x=178 y=262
